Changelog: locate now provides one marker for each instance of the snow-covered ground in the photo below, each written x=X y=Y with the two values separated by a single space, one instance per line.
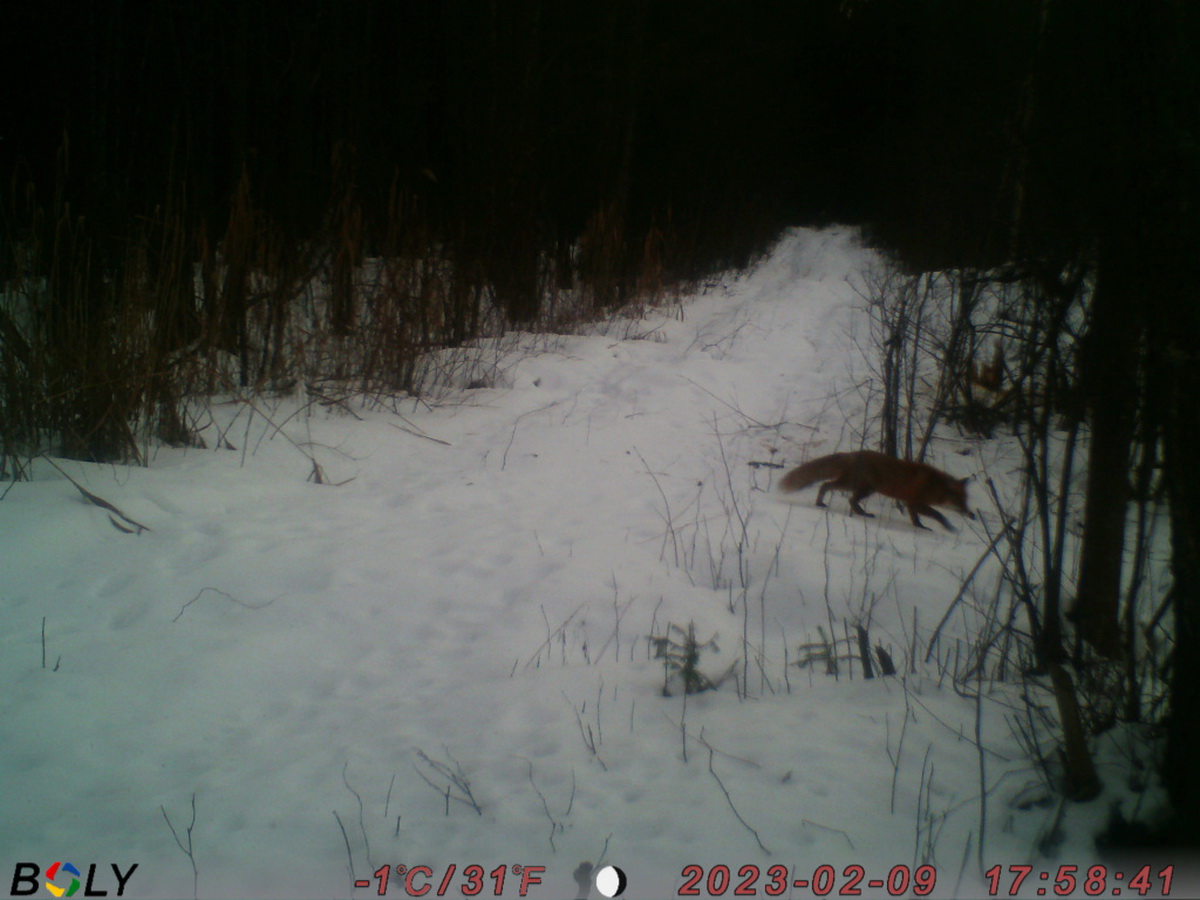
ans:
x=470 y=599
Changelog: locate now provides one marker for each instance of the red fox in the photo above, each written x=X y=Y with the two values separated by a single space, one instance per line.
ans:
x=918 y=486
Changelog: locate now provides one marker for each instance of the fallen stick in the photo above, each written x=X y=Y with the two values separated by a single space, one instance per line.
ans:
x=136 y=527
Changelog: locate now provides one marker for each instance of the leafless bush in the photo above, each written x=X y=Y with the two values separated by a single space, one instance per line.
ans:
x=111 y=347
x=1001 y=350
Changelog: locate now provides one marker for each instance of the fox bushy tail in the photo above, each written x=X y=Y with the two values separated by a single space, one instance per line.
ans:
x=822 y=468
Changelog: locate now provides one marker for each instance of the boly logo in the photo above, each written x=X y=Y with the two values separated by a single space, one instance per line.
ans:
x=52 y=873
x=62 y=879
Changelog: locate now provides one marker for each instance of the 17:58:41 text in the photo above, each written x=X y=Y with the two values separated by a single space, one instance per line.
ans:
x=1098 y=880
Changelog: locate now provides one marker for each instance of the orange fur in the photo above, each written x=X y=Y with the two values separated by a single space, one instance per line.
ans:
x=918 y=486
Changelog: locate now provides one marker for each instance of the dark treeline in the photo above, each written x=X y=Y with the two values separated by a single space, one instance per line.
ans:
x=508 y=126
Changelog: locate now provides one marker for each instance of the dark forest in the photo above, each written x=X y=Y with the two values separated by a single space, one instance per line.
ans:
x=723 y=121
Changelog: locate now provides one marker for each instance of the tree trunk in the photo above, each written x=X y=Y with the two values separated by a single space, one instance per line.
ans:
x=1080 y=781
x=1109 y=384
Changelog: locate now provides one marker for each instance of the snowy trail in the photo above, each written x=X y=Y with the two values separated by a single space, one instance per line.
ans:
x=281 y=649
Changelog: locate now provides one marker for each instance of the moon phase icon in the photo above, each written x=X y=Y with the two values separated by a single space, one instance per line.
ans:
x=610 y=881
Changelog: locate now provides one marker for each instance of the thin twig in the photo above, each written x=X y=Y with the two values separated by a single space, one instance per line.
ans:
x=667 y=517
x=516 y=423
x=388 y=799
x=982 y=766
x=188 y=850
x=833 y=830
x=729 y=799
x=415 y=432
x=550 y=636
x=361 y=824
x=229 y=597
x=961 y=592
x=455 y=777
x=346 y=838
x=554 y=826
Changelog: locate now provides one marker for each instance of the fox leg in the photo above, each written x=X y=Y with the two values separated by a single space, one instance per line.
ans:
x=925 y=510
x=825 y=488
x=861 y=494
